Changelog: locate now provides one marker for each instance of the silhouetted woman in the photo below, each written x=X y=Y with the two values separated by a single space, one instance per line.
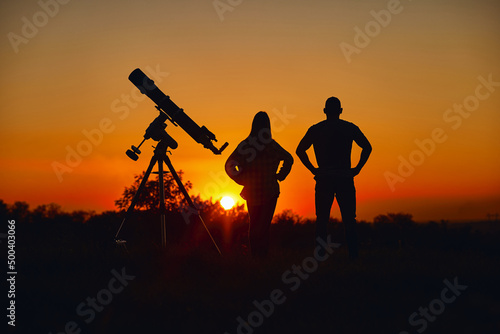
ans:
x=254 y=164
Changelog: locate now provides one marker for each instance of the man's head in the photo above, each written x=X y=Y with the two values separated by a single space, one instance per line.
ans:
x=332 y=107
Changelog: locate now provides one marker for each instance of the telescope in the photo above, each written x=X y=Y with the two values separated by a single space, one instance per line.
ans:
x=156 y=131
x=168 y=111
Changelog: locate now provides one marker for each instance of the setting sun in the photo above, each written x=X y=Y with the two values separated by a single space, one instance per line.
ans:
x=227 y=202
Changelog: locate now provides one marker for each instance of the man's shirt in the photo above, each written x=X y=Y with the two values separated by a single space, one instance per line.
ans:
x=332 y=143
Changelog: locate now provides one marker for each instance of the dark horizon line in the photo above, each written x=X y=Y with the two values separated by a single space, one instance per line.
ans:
x=495 y=218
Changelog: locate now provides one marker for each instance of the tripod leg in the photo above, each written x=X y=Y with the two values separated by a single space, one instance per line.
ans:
x=163 y=208
x=136 y=196
x=186 y=195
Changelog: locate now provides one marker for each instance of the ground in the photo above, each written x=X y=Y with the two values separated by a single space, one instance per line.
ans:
x=79 y=287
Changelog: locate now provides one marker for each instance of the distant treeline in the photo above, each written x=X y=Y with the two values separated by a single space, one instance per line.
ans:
x=49 y=227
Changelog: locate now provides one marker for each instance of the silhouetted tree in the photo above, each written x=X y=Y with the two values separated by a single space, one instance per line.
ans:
x=150 y=197
x=400 y=219
x=4 y=210
x=19 y=211
x=49 y=211
x=287 y=217
x=82 y=216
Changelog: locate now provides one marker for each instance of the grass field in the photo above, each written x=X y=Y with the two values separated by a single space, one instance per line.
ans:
x=73 y=279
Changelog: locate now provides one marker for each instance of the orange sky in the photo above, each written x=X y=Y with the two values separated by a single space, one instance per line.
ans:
x=65 y=73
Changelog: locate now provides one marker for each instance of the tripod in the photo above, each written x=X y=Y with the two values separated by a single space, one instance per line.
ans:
x=160 y=157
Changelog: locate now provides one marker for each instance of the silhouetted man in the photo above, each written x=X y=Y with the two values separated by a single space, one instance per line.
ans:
x=332 y=142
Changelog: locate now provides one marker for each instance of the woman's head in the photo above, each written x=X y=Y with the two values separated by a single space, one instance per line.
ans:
x=261 y=126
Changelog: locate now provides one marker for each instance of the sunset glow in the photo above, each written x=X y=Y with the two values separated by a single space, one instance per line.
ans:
x=420 y=78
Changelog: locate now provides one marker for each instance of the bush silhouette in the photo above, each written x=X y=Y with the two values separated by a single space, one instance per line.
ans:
x=150 y=197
